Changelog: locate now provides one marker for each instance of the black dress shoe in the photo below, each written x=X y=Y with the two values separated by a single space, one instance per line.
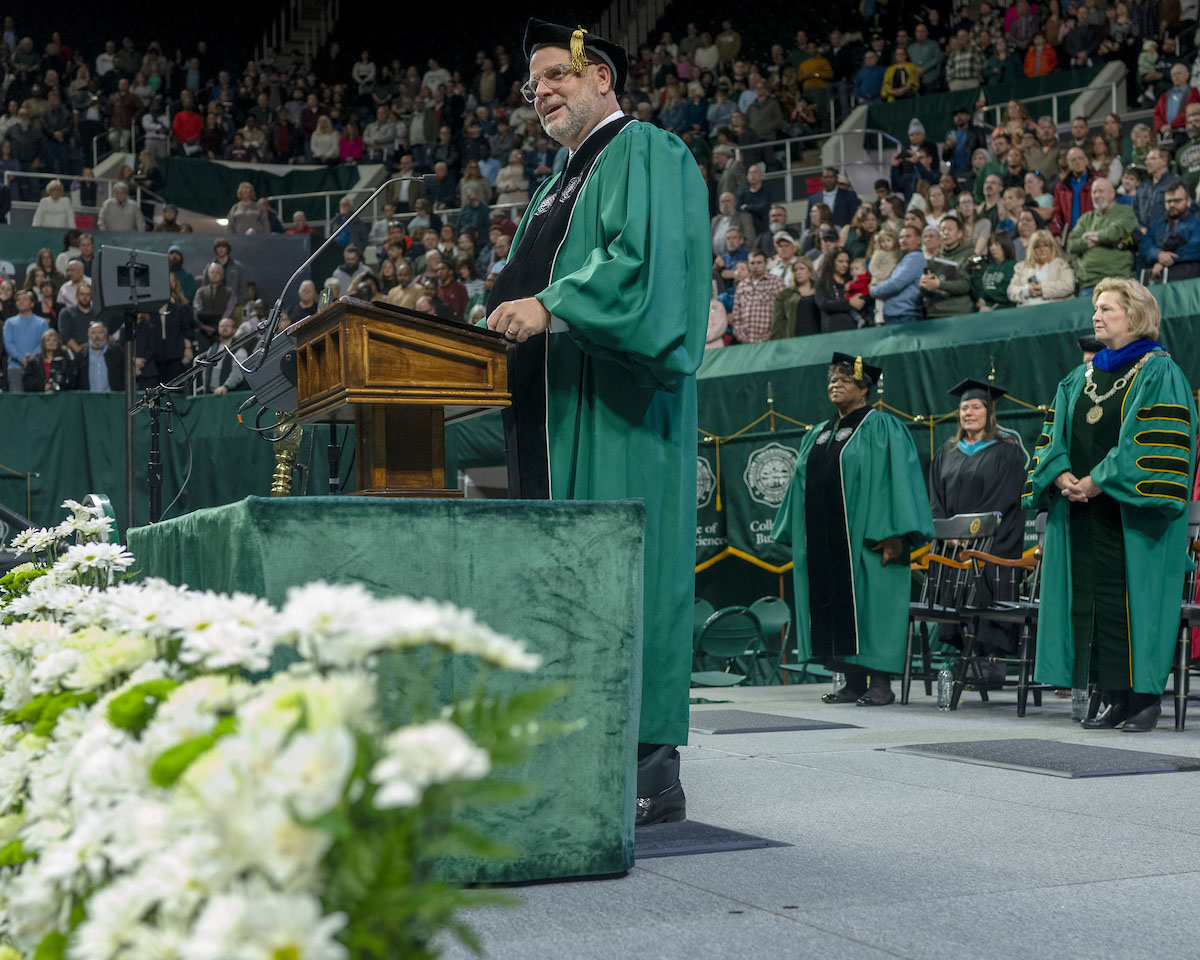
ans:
x=845 y=695
x=1108 y=717
x=872 y=698
x=670 y=806
x=1145 y=719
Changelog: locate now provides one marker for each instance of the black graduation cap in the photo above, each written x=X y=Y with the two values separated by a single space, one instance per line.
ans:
x=971 y=389
x=1090 y=344
x=862 y=370
x=541 y=33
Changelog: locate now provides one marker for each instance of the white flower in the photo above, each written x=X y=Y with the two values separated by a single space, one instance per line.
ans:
x=23 y=636
x=221 y=631
x=105 y=655
x=49 y=672
x=144 y=607
x=113 y=913
x=312 y=770
x=424 y=754
x=47 y=596
x=414 y=622
x=81 y=512
x=34 y=540
x=330 y=623
x=95 y=559
x=255 y=923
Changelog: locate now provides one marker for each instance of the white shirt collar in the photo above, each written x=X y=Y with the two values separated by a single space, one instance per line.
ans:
x=615 y=115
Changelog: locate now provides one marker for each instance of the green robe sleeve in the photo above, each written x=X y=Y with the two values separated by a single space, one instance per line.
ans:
x=1051 y=455
x=793 y=500
x=653 y=223
x=1151 y=465
x=896 y=487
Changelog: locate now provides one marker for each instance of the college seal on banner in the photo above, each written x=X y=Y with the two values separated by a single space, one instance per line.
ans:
x=706 y=483
x=769 y=472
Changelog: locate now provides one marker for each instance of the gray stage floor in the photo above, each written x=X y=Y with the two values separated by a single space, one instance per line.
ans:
x=894 y=855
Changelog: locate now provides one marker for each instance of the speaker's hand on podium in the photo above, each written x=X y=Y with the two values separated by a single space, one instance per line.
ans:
x=519 y=320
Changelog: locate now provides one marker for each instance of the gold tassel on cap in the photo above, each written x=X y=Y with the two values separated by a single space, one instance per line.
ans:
x=578 y=57
x=858 y=370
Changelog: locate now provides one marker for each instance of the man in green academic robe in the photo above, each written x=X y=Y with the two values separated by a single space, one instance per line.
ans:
x=856 y=508
x=605 y=298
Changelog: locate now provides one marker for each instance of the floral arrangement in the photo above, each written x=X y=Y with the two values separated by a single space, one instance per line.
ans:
x=156 y=803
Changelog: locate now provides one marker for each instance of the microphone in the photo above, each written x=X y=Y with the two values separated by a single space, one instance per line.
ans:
x=429 y=179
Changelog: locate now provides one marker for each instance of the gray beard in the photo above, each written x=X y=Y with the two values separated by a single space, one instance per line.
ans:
x=778 y=227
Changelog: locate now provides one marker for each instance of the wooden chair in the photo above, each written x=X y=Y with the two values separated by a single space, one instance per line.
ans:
x=729 y=634
x=1189 y=617
x=1019 y=579
x=948 y=587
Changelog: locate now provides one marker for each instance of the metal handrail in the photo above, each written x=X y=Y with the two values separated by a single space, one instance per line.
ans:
x=1053 y=98
x=136 y=194
x=278 y=199
x=789 y=172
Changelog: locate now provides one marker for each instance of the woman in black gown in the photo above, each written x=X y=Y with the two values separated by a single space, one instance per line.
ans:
x=981 y=470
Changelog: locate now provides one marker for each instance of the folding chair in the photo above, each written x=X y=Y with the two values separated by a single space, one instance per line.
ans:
x=729 y=634
x=948 y=585
x=1189 y=617
x=776 y=618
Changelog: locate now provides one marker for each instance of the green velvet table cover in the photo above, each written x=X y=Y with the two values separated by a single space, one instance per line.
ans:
x=564 y=577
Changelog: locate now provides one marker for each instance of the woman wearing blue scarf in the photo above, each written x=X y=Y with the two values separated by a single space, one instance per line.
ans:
x=982 y=470
x=1114 y=467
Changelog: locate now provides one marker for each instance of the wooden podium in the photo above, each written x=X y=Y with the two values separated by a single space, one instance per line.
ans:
x=392 y=372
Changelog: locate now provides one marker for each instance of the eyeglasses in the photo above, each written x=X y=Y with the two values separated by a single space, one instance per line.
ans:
x=552 y=76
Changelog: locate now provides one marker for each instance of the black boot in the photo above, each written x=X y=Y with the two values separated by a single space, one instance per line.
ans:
x=660 y=796
x=879 y=693
x=1114 y=711
x=1144 y=711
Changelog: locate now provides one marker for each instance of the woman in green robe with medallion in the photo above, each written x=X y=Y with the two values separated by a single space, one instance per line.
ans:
x=1114 y=465
x=855 y=509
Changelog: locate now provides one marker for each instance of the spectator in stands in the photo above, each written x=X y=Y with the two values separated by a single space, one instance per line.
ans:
x=170 y=220
x=947 y=294
x=245 y=215
x=347 y=232
x=512 y=184
x=928 y=57
x=931 y=242
x=118 y=212
x=1012 y=202
x=451 y=291
x=857 y=235
x=223 y=372
x=473 y=179
x=902 y=80
x=1003 y=65
x=1036 y=195
x=989 y=283
x=187 y=281
x=306 y=296
x=780 y=265
x=69 y=291
x=1187 y=157
x=1172 y=245
x=1149 y=71
x=795 y=313
x=819 y=216
x=868 y=81
x=22 y=337
x=100 y=366
x=234 y=270
x=1103 y=163
x=936 y=204
x=1102 y=242
x=441 y=192
x=214 y=300
x=736 y=252
x=164 y=344
x=1079 y=136
x=1044 y=275
x=300 y=224
x=1072 y=195
x=351 y=267
x=1044 y=155
x=55 y=209
x=1150 y=205
x=379 y=136
x=837 y=311
x=1027 y=226
x=754 y=200
x=729 y=217
x=1014 y=174
x=900 y=292
x=764 y=115
x=1137 y=145
x=1040 y=59
x=350 y=143
x=50 y=368
x=976 y=229
x=964 y=63
x=841 y=201
x=967 y=139
x=754 y=301
x=323 y=144
x=539 y=162
x=187 y=125
x=1170 y=109
x=474 y=213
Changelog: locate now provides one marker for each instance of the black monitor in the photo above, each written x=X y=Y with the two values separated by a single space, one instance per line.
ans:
x=127 y=279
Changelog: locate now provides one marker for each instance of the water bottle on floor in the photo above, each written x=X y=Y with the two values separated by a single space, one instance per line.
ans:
x=839 y=681
x=945 y=688
x=1079 y=704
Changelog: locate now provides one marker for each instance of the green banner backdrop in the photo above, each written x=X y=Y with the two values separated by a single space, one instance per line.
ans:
x=211 y=188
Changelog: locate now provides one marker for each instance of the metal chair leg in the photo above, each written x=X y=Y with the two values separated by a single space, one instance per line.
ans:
x=1023 y=676
x=1182 y=658
x=906 y=679
x=926 y=667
